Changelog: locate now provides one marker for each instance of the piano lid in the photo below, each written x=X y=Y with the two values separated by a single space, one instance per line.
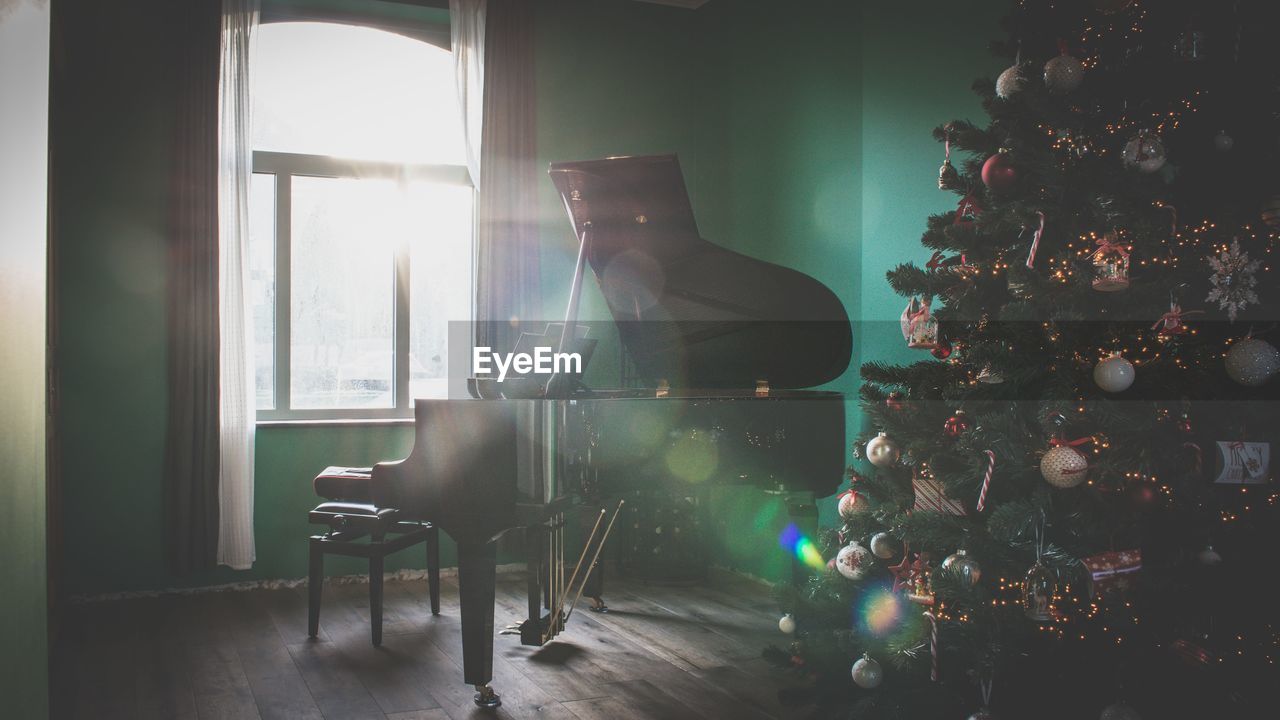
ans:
x=689 y=311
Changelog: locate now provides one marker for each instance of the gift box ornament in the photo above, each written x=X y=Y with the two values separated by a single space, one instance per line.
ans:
x=919 y=327
x=1112 y=571
x=1242 y=463
x=931 y=497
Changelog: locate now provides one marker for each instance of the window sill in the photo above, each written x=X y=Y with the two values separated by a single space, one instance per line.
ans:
x=335 y=422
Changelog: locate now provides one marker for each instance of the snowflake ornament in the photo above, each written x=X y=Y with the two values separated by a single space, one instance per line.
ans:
x=1233 y=280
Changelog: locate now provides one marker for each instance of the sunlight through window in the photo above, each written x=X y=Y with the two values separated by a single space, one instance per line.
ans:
x=360 y=220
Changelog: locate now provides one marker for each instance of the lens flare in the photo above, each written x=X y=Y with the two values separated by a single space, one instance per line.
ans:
x=694 y=457
x=794 y=541
x=879 y=613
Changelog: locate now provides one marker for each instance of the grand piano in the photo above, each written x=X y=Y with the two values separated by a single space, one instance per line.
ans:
x=722 y=346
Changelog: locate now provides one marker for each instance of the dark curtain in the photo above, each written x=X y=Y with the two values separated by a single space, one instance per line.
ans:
x=507 y=274
x=191 y=447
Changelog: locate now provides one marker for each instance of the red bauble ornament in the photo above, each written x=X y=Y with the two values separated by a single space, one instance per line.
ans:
x=896 y=400
x=956 y=425
x=1143 y=493
x=999 y=173
x=1184 y=425
x=943 y=350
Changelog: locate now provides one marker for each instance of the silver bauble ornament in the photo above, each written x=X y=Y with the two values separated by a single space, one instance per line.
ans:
x=1223 y=141
x=1064 y=467
x=983 y=714
x=787 y=623
x=1114 y=374
x=1120 y=711
x=1010 y=82
x=1251 y=362
x=1271 y=212
x=883 y=451
x=867 y=673
x=1063 y=73
x=884 y=546
x=1209 y=556
x=963 y=567
x=1037 y=593
x=854 y=561
x=989 y=377
x=1145 y=152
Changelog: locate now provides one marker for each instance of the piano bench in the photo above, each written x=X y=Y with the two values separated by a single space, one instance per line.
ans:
x=363 y=530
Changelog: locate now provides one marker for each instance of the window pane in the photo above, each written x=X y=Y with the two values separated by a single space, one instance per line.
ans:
x=262 y=285
x=354 y=92
x=342 y=343
x=440 y=255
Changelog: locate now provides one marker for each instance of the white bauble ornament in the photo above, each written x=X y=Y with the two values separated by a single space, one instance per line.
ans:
x=961 y=565
x=867 y=673
x=1064 y=467
x=851 y=503
x=1251 y=362
x=854 y=561
x=1010 y=82
x=1063 y=73
x=1209 y=556
x=1145 y=152
x=882 y=451
x=1120 y=711
x=1114 y=374
x=1223 y=141
x=883 y=545
x=983 y=714
x=787 y=623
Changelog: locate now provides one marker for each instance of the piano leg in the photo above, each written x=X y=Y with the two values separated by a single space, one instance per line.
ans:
x=477 y=576
x=433 y=570
x=533 y=536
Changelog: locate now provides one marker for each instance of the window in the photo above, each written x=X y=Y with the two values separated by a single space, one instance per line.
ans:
x=360 y=221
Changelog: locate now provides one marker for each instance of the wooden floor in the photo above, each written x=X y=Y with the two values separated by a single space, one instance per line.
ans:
x=691 y=652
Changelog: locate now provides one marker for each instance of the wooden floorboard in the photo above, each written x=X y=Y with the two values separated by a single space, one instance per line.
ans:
x=662 y=653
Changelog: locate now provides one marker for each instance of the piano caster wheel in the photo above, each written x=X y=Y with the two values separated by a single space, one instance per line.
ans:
x=597 y=605
x=485 y=697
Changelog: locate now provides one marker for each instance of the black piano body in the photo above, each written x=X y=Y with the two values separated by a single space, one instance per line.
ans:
x=724 y=342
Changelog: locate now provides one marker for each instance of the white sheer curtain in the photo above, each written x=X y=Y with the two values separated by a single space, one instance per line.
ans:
x=235 y=167
x=466 y=30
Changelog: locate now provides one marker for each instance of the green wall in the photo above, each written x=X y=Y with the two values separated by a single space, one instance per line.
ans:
x=803 y=129
x=917 y=68
x=24 y=117
x=781 y=182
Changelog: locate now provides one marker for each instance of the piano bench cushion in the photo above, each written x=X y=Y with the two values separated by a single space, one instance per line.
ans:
x=343 y=483
x=350 y=509
x=354 y=517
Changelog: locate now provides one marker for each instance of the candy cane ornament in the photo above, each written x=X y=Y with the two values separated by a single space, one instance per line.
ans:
x=986 y=479
x=1035 y=243
x=933 y=645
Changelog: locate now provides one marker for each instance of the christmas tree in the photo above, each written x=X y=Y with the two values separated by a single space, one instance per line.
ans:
x=1065 y=508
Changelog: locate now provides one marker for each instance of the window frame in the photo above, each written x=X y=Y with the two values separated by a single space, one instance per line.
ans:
x=284 y=167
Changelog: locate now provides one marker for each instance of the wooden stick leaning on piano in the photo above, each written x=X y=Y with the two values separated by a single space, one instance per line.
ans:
x=585 y=547
x=594 y=559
